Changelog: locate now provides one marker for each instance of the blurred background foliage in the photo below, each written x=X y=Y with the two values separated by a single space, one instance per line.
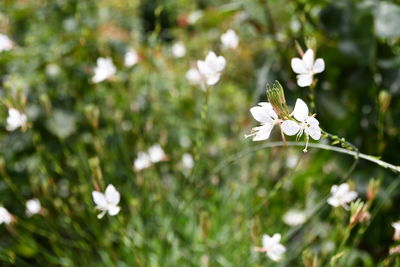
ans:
x=82 y=134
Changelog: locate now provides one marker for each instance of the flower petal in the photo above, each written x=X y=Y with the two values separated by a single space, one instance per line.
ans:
x=262 y=113
x=100 y=199
x=204 y=69
x=263 y=132
x=213 y=78
x=112 y=195
x=300 y=111
x=308 y=58
x=113 y=210
x=304 y=80
x=298 y=66
x=290 y=127
x=314 y=131
x=319 y=66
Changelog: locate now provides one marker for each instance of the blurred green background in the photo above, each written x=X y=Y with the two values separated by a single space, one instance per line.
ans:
x=81 y=134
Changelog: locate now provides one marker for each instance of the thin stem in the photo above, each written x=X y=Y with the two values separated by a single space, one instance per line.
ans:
x=355 y=154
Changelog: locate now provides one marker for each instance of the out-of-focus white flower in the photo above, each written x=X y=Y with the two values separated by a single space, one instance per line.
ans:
x=272 y=247
x=131 y=58
x=107 y=202
x=5 y=216
x=341 y=195
x=15 y=119
x=178 y=49
x=153 y=155
x=211 y=67
x=194 y=16
x=294 y=217
x=156 y=153
x=265 y=114
x=142 y=161
x=307 y=124
x=105 y=69
x=5 y=43
x=193 y=76
x=187 y=161
x=230 y=39
x=33 y=207
x=307 y=67
x=396 y=226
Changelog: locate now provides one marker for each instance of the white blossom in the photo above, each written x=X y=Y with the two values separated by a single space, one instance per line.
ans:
x=307 y=67
x=194 y=16
x=145 y=159
x=396 y=226
x=187 y=161
x=272 y=247
x=294 y=217
x=105 y=69
x=341 y=195
x=5 y=216
x=15 y=119
x=107 y=202
x=5 y=43
x=178 y=49
x=211 y=68
x=156 y=153
x=131 y=58
x=265 y=114
x=33 y=207
x=230 y=39
x=306 y=124
x=193 y=76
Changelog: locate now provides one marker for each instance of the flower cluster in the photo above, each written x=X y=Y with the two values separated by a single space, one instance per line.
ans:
x=297 y=123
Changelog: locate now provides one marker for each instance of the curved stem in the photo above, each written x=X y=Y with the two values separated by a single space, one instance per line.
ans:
x=355 y=154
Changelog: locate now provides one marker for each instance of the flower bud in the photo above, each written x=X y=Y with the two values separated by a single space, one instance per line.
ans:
x=276 y=97
x=373 y=189
x=359 y=213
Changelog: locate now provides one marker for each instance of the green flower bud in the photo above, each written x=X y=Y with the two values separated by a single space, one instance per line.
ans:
x=276 y=97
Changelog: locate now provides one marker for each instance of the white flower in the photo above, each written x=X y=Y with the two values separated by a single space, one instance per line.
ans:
x=105 y=69
x=194 y=16
x=5 y=43
x=396 y=226
x=211 y=68
x=193 y=76
x=33 y=207
x=142 y=161
x=307 y=67
x=5 y=216
x=307 y=124
x=294 y=217
x=187 y=161
x=179 y=50
x=153 y=155
x=230 y=39
x=272 y=246
x=265 y=114
x=15 y=119
x=341 y=195
x=131 y=58
x=107 y=202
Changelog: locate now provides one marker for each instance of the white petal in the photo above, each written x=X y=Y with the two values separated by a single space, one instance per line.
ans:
x=300 y=111
x=220 y=63
x=314 y=131
x=290 y=127
x=304 y=80
x=204 y=68
x=276 y=238
x=333 y=202
x=112 y=195
x=263 y=132
x=319 y=66
x=100 y=199
x=351 y=196
x=211 y=56
x=312 y=121
x=262 y=114
x=308 y=58
x=298 y=66
x=113 y=210
x=275 y=253
x=213 y=78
